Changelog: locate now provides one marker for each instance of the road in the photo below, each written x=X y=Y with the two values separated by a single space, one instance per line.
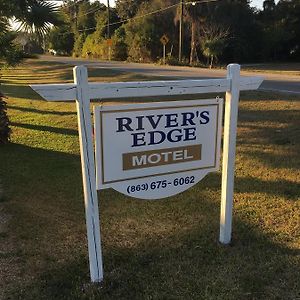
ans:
x=273 y=82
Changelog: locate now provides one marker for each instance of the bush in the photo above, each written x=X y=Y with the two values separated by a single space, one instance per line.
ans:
x=95 y=47
x=119 y=47
x=78 y=44
x=61 y=39
x=10 y=53
x=4 y=122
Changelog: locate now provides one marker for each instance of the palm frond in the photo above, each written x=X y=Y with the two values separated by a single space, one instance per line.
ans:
x=4 y=25
x=38 y=17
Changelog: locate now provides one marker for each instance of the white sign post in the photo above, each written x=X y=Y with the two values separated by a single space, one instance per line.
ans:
x=184 y=137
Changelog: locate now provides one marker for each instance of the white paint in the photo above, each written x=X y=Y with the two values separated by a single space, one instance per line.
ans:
x=88 y=174
x=230 y=128
x=67 y=92
x=111 y=144
x=84 y=91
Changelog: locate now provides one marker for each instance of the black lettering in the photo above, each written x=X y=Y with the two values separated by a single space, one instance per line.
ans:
x=204 y=117
x=187 y=117
x=154 y=123
x=174 y=138
x=189 y=134
x=140 y=122
x=124 y=123
x=138 y=139
x=171 y=120
x=156 y=137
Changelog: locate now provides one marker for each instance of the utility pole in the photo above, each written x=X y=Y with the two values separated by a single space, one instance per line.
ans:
x=180 y=31
x=108 y=20
x=108 y=31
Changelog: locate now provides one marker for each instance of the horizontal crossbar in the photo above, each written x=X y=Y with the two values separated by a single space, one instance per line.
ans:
x=68 y=92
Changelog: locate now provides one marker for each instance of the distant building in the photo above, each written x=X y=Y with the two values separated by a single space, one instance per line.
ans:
x=28 y=44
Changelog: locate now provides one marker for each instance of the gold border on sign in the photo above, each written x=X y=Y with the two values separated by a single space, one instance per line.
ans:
x=158 y=174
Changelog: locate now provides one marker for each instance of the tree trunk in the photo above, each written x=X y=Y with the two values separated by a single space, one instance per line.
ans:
x=211 y=61
x=193 y=55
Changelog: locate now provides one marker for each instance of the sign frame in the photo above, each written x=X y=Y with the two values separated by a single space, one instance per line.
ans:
x=103 y=158
x=82 y=92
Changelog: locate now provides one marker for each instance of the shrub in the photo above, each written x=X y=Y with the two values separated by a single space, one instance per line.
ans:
x=119 y=47
x=4 y=122
x=95 y=47
x=78 y=44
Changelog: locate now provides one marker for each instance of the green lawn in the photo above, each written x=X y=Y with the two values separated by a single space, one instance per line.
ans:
x=166 y=249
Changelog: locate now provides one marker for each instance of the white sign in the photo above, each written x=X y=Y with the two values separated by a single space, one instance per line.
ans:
x=156 y=150
x=135 y=160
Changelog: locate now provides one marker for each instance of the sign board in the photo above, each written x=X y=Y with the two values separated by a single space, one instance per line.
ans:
x=156 y=150
x=153 y=150
x=164 y=39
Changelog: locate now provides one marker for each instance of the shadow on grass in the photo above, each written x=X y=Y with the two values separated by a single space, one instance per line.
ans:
x=59 y=130
x=288 y=160
x=281 y=136
x=285 y=188
x=104 y=72
x=268 y=115
x=164 y=249
x=42 y=112
x=268 y=96
x=187 y=265
x=20 y=91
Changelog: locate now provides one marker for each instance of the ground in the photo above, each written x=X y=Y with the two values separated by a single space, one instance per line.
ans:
x=166 y=249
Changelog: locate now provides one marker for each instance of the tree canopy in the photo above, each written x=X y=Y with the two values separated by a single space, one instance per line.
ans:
x=135 y=27
x=35 y=16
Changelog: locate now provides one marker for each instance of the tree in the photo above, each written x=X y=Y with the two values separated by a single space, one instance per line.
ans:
x=95 y=44
x=144 y=32
x=246 y=34
x=119 y=49
x=195 y=15
x=287 y=14
x=37 y=17
x=127 y=8
x=33 y=15
x=61 y=39
x=213 y=41
x=269 y=5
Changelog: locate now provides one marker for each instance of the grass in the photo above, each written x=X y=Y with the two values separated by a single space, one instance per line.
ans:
x=164 y=249
x=292 y=69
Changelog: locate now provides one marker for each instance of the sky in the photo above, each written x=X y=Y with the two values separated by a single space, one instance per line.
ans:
x=259 y=3
x=256 y=3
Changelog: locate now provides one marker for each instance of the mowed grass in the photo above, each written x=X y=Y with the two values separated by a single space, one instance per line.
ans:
x=165 y=249
x=292 y=69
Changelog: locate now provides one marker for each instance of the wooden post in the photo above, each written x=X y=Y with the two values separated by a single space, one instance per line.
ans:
x=229 y=144
x=88 y=173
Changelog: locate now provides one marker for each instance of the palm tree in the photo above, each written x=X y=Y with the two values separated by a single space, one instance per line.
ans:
x=33 y=16
x=38 y=17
